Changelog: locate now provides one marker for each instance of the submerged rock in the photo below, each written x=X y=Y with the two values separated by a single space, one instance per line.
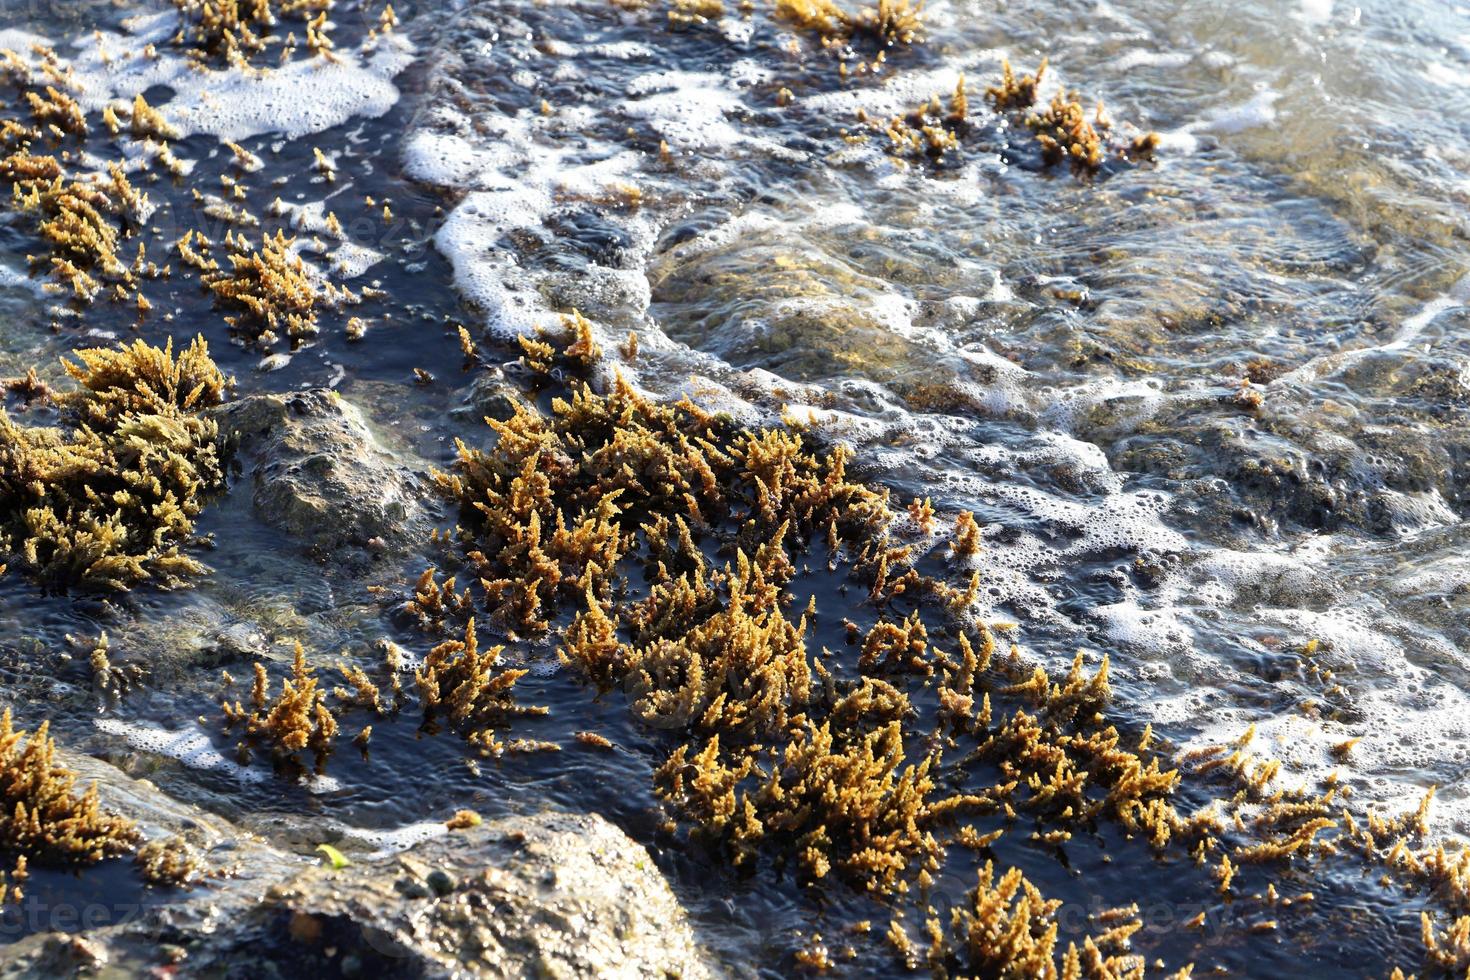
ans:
x=1270 y=472
x=320 y=474
x=550 y=895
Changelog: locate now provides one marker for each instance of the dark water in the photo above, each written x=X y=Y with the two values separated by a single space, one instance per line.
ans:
x=1062 y=357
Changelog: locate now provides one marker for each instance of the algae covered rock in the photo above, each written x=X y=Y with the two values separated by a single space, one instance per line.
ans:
x=319 y=472
x=246 y=861
x=550 y=895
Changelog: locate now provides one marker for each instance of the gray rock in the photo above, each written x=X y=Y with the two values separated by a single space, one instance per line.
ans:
x=554 y=895
x=319 y=473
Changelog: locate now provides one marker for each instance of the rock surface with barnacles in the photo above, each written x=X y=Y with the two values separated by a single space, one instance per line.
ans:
x=320 y=473
x=546 y=895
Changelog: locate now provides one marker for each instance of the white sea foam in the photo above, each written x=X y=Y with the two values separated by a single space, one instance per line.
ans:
x=194 y=749
x=308 y=95
x=191 y=747
x=385 y=843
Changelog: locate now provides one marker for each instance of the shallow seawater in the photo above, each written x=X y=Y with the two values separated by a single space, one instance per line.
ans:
x=1208 y=410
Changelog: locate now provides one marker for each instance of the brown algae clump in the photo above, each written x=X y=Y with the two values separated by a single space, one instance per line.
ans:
x=1015 y=93
x=149 y=123
x=57 y=110
x=557 y=503
x=1008 y=928
x=471 y=690
x=848 y=804
x=743 y=669
x=272 y=285
x=688 y=13
x=81 y=223
x=295 y=719
x=1065 y=133
x=144 y=379
x=771 y=751
x=931 y=130
x=236 y=30
x=45 y=820
x=890 y=23
x=865 y=768
x=80 y=212
x=109 y=500
x=170 y=862
x=1063 y=130
x=41 y=814
x=464 y=820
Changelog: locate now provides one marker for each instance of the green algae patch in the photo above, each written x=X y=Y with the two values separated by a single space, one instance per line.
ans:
x=107 y=499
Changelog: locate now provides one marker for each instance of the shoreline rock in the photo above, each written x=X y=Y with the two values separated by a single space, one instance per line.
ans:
x=549 y=895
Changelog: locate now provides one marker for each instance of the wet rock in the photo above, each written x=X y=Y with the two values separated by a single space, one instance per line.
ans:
x=1274 y=470
x=134 y=924
x=554 y=895
x=169 y=652
x=491 y=394
x=551 y=895
x=160 y=815
x=319 y=473
x=236 y=642
x=440 y=882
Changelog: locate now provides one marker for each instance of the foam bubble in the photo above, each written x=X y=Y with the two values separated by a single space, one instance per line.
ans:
x=192 y=747
x=308 y=95
x=686 y=108
x=385 y=843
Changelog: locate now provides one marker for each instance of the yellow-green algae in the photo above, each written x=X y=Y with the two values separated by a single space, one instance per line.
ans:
x=108 y=498
x=771 y=754
x=235 y=31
